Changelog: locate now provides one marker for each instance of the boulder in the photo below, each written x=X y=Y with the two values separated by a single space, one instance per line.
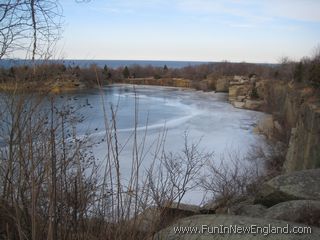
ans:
x=300 y=185
x=155 y=218
x=238 y=90
x=253 y=104
x=241 y=98
x=214 y=206
x=240 y=79
x=233 y=93
x=250 y=210
x=301 y=211
x=237 y=104
x=203 y=227
x=227 y=206
x=183 y=207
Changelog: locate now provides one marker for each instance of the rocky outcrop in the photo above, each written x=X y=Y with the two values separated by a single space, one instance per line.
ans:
x=298 y=108
x=236 y=90
x=286 y=200
x=304 y=145
x=270 y=127
x=172 y=82
x=296 y=116
x=253 y=104
x=238 y=104
x=301 y=185
x=300 y=211
x=243 y=93
x=203 y=227
x=250 y=210
x=155 y=218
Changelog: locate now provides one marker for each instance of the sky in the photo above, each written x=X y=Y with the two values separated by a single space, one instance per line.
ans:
x=190 y=30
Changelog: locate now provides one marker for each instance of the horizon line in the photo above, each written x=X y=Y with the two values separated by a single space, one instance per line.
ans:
x=141 y=60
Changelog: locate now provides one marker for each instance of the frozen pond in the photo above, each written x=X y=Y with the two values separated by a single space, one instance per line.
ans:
x=207 y=117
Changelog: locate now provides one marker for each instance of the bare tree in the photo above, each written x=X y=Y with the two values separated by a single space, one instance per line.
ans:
x=30 y=26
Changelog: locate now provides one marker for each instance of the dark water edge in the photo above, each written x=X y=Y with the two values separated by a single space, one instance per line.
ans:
x=7 y=63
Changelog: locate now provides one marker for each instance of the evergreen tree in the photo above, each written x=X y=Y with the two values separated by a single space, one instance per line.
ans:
x=106 y=72
x=298 y=72
x=105 y=68
x=126 y=72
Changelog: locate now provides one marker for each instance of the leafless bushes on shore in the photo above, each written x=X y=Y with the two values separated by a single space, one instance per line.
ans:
x=230 y=177
x=44 y=169
x=172 y=175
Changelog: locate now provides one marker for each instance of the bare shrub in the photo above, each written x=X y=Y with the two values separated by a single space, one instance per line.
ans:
x=47 y=175
x=232 y=177
x=270 y=156
x=175 y=174
x=229 y=177
x=29 y=26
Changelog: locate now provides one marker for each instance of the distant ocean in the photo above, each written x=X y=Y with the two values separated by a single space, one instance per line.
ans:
x=7 y=63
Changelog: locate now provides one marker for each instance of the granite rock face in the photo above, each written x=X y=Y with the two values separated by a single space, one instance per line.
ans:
x=296 y=107
x=236 y=90
x=300 y=185
x=250 y=210
x=299 y=109
x=253 y=104
x=301 y=211
x=241 y=91
x=304 y=146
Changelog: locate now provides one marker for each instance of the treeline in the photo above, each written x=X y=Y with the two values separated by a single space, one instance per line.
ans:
x=192 y=72
x=307 y=70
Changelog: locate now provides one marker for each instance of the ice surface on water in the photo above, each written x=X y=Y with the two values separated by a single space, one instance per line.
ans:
x=206 y=116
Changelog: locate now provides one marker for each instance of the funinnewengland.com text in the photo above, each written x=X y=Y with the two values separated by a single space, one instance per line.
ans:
x=241 y=229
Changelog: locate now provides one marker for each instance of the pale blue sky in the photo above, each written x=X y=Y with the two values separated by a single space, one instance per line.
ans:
x=203 y=30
